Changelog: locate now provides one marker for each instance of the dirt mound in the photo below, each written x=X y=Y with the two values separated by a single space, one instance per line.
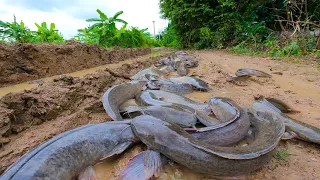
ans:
x=30 y=117
x=23 y=62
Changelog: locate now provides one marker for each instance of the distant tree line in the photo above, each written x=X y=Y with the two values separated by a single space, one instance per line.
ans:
x=256 y=24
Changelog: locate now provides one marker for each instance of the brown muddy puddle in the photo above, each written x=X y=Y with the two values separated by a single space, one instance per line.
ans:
x=111 y=169
x=80 y=74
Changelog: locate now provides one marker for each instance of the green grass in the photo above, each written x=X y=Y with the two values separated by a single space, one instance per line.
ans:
x=283 y=155
x=155 y=53
x=292 y=59
x=174 y=178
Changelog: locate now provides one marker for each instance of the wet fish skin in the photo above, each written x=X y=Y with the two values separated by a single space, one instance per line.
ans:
x=195 y=82
x=172 y=114
x=224 y=108
x=176 y=63
x=153 y=85
x=167 y=69
x=225 y=135
x=179 y=146
x=302 y=130
x=119 y=94
x=178 y=88
x=182 y=69
x=156 y=84
x=158 y=97
x=163 y=98
x=152 y=71
x=165 y=61
x=150 y=77
x=251 y=72
x=281 y=105
x=192 y=63
x=66 y=155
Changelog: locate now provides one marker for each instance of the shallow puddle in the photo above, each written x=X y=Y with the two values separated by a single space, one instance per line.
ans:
x=111 y=169
x=82 y=73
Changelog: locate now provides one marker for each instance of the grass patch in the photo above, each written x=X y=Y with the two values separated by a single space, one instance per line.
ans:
x=318 y=67
x=282 y=155
x=155 y=53
x=295 y=60
x=174 y=178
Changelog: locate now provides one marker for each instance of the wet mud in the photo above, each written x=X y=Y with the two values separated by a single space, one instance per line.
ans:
x=31 y=117
x=24 y=62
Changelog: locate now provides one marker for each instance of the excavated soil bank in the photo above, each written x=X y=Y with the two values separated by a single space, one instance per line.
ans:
x=23 y=62
x=30 y=117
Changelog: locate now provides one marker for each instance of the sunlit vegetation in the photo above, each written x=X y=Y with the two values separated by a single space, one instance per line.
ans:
x=271 y=27
x=103 y=31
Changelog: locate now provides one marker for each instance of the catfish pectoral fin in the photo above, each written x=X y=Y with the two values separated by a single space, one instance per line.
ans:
x=118 y=149
x=153 y=162
x=289 y=135
x=143 y=166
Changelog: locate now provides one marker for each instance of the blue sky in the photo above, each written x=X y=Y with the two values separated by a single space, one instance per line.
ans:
x=70 y=15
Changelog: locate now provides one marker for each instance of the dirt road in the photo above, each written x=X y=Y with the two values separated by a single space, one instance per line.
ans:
x=69 y=102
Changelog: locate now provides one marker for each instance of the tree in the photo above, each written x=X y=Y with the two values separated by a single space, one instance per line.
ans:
x=15 y=32
x=105 y=27
x=221 y=23
x=48 y=35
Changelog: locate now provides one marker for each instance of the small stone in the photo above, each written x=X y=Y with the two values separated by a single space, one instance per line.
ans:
x=278 y=72
x=4 y=140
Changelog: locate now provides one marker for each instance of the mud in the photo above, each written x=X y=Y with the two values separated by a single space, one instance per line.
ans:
x=29 y=118
x=24 y=62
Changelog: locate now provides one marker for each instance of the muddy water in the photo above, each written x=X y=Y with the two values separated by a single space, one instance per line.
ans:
x=110 y=169
x=82 y=73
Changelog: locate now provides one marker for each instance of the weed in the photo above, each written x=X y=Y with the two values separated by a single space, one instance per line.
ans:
x=174 y=178
x=155 y=53
x=282 y=155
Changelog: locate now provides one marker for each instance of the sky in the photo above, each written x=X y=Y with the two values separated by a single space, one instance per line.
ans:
x=70 y=15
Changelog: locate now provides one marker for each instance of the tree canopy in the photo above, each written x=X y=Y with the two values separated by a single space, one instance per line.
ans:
x=218 y=23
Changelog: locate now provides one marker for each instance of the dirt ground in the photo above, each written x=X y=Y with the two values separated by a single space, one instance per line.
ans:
x=31 y=117
x=23 y=62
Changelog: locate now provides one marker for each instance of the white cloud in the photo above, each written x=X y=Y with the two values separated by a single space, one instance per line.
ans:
x=69 y=18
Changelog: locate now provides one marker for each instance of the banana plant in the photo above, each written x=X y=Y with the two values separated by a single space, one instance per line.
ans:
x=105 y=27
x=84 y=35
x=15 y=32
x=48 y=35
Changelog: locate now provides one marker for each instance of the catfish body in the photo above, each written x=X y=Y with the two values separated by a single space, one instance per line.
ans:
x=68 y=154
x=179 y=146
x=119 y=94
